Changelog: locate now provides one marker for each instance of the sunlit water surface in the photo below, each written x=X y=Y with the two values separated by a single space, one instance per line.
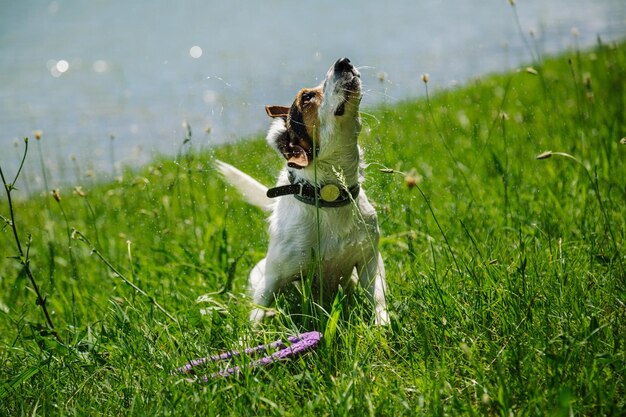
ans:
x=110 y=83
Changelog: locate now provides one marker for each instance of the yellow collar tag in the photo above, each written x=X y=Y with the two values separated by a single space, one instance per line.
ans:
x=329 y=193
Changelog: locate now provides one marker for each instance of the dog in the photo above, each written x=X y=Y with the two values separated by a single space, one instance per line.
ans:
x=320 y=216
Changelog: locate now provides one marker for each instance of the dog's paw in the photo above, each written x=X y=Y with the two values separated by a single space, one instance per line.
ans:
x=382 y=317
x=257 y=314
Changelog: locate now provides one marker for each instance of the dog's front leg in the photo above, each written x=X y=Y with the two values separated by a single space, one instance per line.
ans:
x=261 y=290
x=266 y=279
x=372 y=278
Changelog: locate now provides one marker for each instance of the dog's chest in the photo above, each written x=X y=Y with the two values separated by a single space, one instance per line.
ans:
x=341 y=238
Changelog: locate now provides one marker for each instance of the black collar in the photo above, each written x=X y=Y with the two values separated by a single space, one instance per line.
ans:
x=328 y=195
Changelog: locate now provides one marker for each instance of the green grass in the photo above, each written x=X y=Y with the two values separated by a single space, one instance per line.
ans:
x=506 y=273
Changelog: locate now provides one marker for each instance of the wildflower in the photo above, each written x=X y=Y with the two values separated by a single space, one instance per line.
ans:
x=587 y=81
x=545 y=155
x=412 y=179
x=56 y=194
x=512 y=2
x=78 y=190
x=623 y=141
x=382 y=76
x=37 y=134
x=425 y=78
x=531 y=70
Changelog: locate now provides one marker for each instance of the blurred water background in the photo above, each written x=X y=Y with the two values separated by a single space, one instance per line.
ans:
x=111 y=82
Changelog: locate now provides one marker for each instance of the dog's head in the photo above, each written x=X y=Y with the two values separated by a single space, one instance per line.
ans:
x=319 y=117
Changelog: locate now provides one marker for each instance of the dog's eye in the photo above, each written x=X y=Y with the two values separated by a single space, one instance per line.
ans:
x=307 y=97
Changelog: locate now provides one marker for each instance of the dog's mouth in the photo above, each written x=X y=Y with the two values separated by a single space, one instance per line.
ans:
x=349 y=83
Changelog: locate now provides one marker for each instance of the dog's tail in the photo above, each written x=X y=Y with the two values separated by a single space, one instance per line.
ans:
x=253 y=191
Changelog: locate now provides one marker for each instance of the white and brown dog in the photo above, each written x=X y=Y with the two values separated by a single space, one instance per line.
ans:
x=320 y=216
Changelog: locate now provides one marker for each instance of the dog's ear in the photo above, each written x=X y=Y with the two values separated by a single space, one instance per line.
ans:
x=278 y=137
x=277 y=111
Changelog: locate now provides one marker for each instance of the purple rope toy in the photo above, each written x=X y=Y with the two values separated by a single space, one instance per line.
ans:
x=298 y=345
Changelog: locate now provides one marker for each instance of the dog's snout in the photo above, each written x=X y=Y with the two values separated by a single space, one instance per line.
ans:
x=343 y=65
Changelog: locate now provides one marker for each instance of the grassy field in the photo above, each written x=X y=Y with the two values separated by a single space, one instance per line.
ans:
x=506 y=272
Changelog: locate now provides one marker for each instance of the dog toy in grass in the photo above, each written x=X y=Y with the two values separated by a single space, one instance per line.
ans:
x=296 y=346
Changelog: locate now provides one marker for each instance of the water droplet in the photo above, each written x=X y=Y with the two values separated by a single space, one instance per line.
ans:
x=195 y=52
x=62 y=66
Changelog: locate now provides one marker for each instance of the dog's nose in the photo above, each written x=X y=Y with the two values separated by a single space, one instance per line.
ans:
x=343 y=65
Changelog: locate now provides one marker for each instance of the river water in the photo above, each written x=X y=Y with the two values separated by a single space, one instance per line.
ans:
x=111 y=82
